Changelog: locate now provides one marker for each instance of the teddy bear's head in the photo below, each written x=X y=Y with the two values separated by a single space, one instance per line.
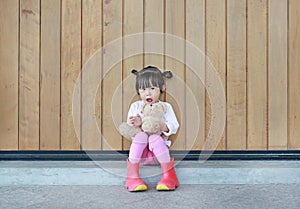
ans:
x=153 y=121
x=155 y=110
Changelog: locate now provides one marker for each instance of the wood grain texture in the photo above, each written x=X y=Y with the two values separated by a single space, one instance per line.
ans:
x=50 y=75
x=29 y=75
x=70 y=74
x=294 y=75
x=154 y=23
x=277 y=71
x=236 y=75
x=175 y=47
x=257 y=75
x=112 y=74
x=9 y=42
x=195 y=77
x=91 y=74
x=48 y=104
x=216 y=52
x=133 y=24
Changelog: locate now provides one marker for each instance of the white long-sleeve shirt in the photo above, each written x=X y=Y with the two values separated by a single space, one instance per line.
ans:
x=170 y=117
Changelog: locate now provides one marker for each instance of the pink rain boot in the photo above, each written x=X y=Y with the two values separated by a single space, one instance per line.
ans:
x=133 y=181
x=169 y=179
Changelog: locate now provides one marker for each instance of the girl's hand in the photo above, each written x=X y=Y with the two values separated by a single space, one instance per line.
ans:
x=166 y=129
x=135 y=120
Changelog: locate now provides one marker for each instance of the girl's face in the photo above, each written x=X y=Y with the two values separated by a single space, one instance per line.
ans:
x=150 y=95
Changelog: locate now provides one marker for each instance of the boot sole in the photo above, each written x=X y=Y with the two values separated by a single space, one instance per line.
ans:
x=140 y=188
x=162 y=187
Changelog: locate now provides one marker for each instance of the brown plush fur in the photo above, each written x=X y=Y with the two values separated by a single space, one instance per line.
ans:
x=153 y=121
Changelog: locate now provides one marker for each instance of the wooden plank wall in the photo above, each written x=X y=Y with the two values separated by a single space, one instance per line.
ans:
x=65 y=81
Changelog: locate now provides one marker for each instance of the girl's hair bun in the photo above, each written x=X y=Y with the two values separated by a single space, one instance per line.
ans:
x=135 y=72
x=167 y=74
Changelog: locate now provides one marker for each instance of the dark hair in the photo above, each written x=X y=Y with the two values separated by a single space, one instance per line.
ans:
x=150 y=76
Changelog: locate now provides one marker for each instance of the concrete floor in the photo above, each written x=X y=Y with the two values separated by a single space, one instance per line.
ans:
x=92 y=184
x=274 y=196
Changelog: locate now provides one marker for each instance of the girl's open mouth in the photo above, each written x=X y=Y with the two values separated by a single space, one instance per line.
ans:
x=149 y=100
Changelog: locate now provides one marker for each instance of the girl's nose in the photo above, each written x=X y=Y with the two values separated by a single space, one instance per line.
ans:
x=147 y=92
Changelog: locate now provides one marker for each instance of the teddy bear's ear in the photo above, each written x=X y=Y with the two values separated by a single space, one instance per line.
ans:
x=135 y=72
x=167 y=74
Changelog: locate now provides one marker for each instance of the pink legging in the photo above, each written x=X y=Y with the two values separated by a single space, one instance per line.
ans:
x=156 y=145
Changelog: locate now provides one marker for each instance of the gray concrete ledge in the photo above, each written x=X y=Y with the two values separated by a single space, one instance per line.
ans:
x=31 y=173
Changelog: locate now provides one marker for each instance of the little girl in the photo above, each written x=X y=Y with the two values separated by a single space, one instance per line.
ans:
x=150 y=84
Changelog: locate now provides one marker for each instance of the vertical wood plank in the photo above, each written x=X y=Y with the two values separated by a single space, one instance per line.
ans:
x=154 y=23
x=236 y=75
x=50 y=75
x=112 y=75
x=216 y=50
x=70 y=70
x=91 y=72
x=9 y=24
x=29 y=75
x=133 y=24
x=294 y=75
x=277 y=71
x=195 y=33
x=257 y=74
x=174 y=24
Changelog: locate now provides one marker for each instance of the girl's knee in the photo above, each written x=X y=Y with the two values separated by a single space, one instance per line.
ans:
x=141 y=137
x=155 y=137
x=158 y=146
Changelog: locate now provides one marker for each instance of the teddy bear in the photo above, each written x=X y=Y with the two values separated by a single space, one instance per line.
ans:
x=153 y=121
